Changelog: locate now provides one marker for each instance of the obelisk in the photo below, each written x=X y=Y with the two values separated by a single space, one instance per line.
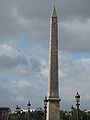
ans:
x=53 y=108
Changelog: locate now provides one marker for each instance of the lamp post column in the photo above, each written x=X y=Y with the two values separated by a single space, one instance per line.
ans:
x=28 y=108
x=72 y=112
x=18 y=112
x=77 y=104
x=45 y=107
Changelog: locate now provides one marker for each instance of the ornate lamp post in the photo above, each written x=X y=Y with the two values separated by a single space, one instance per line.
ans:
x=72 y=111
x=88 y=115
x=18 y=112
x=28 y=108
x=77 y=104
x=45 y=107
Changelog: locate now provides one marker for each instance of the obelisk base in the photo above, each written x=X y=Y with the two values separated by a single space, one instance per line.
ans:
x=53 y=109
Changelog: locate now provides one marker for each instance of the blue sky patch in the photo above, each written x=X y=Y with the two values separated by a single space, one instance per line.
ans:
x=25 y=43
x=81 y=55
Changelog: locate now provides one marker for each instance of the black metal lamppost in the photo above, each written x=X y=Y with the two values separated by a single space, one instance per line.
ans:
x=28 y=108
x=72 y=112
x=77 y=104
x=45 y=107
x=88 y=115
x=18 y=110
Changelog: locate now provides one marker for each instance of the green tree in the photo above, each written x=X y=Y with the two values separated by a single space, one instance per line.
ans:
x=64 y=115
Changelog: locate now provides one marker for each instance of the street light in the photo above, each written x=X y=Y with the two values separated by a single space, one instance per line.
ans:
x=72 y=111
x=45 y=107
x=18 y=111
x=88 y=115
x=77 y=104
x=28 y=108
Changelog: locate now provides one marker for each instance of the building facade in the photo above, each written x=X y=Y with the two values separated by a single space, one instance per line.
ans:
x=4 y=113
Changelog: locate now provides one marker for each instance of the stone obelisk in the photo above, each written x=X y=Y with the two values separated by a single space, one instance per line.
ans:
x=53 y=108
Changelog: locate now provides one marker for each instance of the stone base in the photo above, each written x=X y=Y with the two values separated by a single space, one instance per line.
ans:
x=53 y=110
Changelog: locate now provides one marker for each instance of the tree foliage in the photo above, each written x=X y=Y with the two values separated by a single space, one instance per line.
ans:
x=64 y=115
x=67 y=115
x=37 y=115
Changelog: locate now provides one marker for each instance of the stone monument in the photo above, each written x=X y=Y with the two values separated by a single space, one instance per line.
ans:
x=53 y=108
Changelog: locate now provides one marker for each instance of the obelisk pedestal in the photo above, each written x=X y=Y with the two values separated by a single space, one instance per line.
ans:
x=53 y=108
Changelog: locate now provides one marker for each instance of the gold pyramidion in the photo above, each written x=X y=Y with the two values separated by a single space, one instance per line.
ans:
x=54 y=12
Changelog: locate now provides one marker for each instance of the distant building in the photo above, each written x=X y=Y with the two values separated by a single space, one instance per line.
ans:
x=38 y=109
x=34 y=110
x=4 y=113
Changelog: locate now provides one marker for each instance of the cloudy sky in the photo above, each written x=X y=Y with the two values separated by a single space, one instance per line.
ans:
x=24 y=51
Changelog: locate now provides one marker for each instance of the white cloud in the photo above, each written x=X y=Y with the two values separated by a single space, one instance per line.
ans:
x=10 y=58
x=23 y=84
x=25 y=18
x=8 y=51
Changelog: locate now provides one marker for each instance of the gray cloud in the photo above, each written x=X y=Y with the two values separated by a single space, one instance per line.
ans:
x=74 y=8
x=31 y=20
x=14 y=60
x=74 y=75
x=75 y=35
x=19 y=92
